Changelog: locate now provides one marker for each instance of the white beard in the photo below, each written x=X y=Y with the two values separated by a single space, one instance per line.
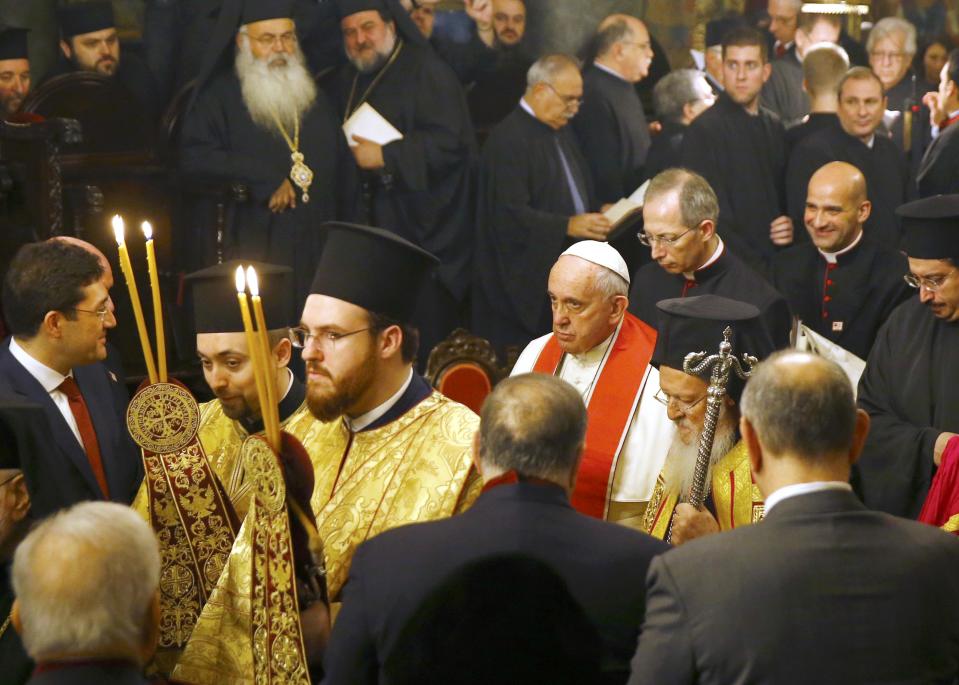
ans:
x=680 y=463
x=272 y=91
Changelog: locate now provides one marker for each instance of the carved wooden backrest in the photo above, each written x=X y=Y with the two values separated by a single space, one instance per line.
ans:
x=464 y=367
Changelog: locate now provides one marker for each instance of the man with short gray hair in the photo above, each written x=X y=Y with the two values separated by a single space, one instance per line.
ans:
x=891 y=46
x=527 y=450
x=535 y=199
x=809 y=594
x=679 y=98
x=604 y=352
x=87 y=604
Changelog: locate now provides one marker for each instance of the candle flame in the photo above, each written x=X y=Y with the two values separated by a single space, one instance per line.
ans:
x=118 y=228
x=240 y=280
x=252 y=281
x=147 y=230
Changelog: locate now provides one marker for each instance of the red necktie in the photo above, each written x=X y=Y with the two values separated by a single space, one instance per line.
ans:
x=88 y=435
x=780 y=50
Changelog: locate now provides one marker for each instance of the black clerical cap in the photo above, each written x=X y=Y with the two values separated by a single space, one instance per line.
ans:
x=13 y=43
x=261 y=10
x=930 y=227
x=216 y=308
x=696 y=324
x=392 y=9
x=717 y=29
x=85 y=17
x=373 y=269
x=21 y=424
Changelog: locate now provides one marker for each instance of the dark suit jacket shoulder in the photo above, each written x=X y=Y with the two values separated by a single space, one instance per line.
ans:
x=602 y=564
x=939 y=171
x=61 y=475
x=821 y=591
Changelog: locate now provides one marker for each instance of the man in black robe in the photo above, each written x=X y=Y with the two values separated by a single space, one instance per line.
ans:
x=740 y=148
x=420 y=186
x=535 y=200
x=679 y=226
x=823 y=68
x=679 y=98
x=857 y=140
x=245 y=126
x=939 y=170
x=843 y=284
x=909 y=386
x=610 y=126
x=14 y=70
x=89 y=42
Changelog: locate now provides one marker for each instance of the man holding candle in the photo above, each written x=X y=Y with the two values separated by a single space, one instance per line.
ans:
x=59 y=312
x=263 y=123
x=393 y=451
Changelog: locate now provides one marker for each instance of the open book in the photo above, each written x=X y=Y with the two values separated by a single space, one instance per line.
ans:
x=367 y=123
x=810 y=341
x=624 y=213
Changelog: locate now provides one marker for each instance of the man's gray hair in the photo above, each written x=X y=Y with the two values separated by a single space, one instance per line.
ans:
x=548 y=67
x=85 y=579
x=697 y=199
x=616 y=32
x=533 y=424
x=674 y=91
x=808 y=411
x=889 y=26
x=609 y=284
x=794 y=4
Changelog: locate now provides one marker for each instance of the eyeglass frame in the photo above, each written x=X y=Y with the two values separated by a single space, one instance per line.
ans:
x=882 y=56
x=267 y=40
x=568 y=100
x=101 y=312
x=331 y=336
x=665 y=399
x=917 y=282
x=646 y=241
x=18 y=473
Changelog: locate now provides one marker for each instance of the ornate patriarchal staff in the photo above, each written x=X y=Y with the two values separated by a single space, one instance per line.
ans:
x=723 y=363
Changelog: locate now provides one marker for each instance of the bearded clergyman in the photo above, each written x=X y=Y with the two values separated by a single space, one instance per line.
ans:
x=262 y=122
x=697 y=324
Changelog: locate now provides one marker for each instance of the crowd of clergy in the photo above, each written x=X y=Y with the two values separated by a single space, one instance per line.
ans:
x=727 y=449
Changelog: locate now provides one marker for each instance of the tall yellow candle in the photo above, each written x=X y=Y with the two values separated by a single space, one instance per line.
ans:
x=273 y=428
x=127 y=269
x=252 y=344
x=157 y=304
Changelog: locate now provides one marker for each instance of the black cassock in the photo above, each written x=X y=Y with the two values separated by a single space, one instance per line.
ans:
x=883 y=166
x=612 y=133
x=132 y=73
x=848 y=301
x=909 y=390
x=744 y=159
x=939 y=170
x=220 y=142
x=728 y=276
x=424 y=192
x=525 y=204
x=815 y=122
x=666 y=149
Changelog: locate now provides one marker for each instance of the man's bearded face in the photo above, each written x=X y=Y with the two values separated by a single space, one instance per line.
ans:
x=276 y=84
x=368 y=40
x=97 y=51
x=14 y=84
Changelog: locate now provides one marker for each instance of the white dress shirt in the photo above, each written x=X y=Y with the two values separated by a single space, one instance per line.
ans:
x=50 y=380
x=364 y=420
x=798 y=489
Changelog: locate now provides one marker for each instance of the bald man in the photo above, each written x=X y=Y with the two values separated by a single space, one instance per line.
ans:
x=611 y=126
x=844 y=284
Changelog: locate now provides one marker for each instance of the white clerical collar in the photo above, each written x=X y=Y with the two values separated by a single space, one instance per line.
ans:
x=289 y=384
x=717 y=253
x=49 y=378
x=526 y=107
x=596 y=354
x=610 y=70
x=364 y=420
x=798 y=489
x=832 y=257
x=871 y=141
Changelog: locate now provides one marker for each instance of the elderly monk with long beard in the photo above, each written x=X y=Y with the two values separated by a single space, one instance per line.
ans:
x=263 y=122
x=696 y=324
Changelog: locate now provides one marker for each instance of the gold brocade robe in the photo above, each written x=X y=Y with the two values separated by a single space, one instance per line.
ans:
x=736 y=499
x=415 y=468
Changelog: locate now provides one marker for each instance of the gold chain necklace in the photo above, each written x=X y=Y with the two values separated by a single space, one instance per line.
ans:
x=6 y=624
x=300 y=173
x=349 y=103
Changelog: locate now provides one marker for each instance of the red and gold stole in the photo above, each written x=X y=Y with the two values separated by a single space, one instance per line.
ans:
x=610 y=408
x=941 y=507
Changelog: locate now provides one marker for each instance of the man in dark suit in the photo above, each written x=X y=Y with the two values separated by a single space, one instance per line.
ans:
x=87 y=584
x=939 y=171
x=528 y=451
x=823 y=590
x=59 y=312
x=681 y=96
x=844 y=284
